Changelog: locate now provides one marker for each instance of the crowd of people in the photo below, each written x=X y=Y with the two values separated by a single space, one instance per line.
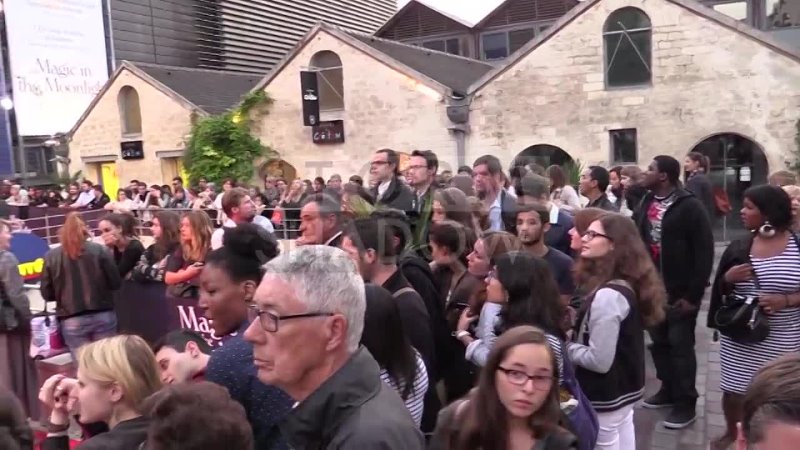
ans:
x=479 y=310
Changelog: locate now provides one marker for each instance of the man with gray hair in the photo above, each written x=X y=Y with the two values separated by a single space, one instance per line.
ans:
x=306 y=340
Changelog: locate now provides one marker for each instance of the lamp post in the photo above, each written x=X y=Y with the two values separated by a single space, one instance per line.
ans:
x=8 y=104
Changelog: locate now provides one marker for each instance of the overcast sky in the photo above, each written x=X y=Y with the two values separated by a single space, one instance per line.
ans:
x=470 y=10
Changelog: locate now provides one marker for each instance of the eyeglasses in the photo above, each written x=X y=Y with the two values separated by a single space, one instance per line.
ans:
x=591 y=234
x=269 y=321
x=416 y=167
x=378 y=163
x=519 y=378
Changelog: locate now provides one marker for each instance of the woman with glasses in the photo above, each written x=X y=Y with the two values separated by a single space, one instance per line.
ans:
x=625 y=295
x=118 y=232
x=115 y=376
x=227 y=284
x=515 y=406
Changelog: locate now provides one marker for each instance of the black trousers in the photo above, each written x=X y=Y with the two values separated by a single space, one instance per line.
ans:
x=675 y=358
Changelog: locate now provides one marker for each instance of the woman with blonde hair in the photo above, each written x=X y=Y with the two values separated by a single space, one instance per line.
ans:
x=186 y=263
x=115 y=376
x=794 y=195
x=81 y=277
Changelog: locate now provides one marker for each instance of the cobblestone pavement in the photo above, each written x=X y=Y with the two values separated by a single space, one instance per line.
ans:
x=651 y=434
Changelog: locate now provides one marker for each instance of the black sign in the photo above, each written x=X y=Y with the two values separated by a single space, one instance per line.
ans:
x=328 y=132
x=310 y=95
x=132 y=150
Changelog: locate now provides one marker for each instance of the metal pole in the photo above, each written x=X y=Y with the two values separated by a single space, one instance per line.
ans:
x=23 y=163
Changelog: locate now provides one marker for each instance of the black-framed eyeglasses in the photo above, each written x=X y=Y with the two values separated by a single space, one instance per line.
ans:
x=591 y=234
x=269 y=321
x=519 y=378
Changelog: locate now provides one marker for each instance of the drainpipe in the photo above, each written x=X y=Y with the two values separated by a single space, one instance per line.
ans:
x=458 y=113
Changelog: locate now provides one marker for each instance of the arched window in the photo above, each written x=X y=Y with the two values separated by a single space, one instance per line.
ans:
x=130 y=114
x=329 y=80
x=628 y=37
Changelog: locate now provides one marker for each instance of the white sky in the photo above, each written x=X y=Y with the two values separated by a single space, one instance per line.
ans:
x=471 y=11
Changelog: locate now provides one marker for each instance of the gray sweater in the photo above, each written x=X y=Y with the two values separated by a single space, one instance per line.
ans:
x=609 y=308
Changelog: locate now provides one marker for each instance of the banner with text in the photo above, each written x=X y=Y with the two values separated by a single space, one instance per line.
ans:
x=57 y=51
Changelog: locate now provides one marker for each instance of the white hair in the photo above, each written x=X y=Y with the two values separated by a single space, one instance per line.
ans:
x=325 y=279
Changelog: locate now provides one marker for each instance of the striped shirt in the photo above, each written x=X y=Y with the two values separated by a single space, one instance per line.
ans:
x=776 y=275
x=415 y=400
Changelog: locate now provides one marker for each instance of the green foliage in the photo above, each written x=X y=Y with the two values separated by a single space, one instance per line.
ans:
x=221 y=146
x=573 y=171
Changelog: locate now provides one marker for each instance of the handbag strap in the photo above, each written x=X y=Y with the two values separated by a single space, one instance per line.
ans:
x=756 y=283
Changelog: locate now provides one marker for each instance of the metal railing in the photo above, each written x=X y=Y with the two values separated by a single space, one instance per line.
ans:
x=46 y=222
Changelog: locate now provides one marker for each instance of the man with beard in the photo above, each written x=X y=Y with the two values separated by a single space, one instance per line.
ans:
x=239 y=208
x=533 y=221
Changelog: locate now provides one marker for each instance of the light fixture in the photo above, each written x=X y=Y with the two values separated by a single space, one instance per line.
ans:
x=6 y=103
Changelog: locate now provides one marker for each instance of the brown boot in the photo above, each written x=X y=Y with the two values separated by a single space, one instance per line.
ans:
x=732 y=408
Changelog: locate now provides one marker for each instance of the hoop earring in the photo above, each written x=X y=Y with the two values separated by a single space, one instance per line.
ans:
x=766 y=230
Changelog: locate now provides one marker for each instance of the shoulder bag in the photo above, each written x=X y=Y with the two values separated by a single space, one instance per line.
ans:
x=740 y=318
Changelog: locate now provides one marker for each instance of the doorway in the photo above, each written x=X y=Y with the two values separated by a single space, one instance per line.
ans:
x=544 y=155
x=737 y=163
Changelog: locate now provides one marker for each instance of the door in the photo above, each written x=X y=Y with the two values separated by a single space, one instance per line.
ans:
x=109 y=179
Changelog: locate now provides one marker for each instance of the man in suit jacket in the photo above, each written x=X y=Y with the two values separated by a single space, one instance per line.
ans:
x=389 y=191
x=320 y=221
x=421 y=176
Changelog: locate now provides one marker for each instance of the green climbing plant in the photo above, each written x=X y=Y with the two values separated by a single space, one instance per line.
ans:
x=222 y=146
x=572 y=170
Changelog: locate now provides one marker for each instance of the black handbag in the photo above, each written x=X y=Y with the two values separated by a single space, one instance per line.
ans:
x=741 y=319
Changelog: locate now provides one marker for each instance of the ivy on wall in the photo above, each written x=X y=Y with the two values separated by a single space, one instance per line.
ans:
x=222 y=146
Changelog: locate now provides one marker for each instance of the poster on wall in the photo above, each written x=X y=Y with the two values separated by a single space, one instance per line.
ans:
x=57 y=51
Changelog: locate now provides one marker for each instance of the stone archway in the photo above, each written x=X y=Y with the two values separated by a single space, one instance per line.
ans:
x=544 y=155
x=277 y=168
x=736 y=163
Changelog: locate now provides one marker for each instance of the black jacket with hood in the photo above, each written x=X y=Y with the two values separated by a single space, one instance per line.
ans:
x=687 y=246
x=353 y=409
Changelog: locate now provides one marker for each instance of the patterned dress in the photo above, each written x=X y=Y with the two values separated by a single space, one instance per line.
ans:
x=777 y=275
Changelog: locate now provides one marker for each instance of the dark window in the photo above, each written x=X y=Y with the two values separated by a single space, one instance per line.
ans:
x=628 y=48
x=624 y=146
x=518 y=38
x=783 y=14
x=453 y=47
x=434 y=45
x=495 y=46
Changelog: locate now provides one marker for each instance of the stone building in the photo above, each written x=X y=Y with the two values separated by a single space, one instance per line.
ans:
x=374 y=93
x=611 y=82
x=137 y=125
x=620 y=81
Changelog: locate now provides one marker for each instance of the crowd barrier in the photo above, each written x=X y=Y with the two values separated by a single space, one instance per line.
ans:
x=46 y=222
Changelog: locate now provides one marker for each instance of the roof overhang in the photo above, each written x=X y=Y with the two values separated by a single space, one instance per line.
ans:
x=131 y=67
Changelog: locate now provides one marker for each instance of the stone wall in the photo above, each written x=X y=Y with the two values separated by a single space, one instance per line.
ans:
x=383 y=108
x=707 y=79
x=165 y=124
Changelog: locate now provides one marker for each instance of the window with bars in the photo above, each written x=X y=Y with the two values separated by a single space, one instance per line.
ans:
x=628 y=38
x=330 y=80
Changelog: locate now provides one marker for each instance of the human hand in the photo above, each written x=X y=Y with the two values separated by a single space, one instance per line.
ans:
x=773 y=302
x=465 y=320
x=60 y=394
x=738 y=273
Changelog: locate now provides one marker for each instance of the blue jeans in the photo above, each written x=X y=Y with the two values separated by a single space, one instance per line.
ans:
x=80 y=330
